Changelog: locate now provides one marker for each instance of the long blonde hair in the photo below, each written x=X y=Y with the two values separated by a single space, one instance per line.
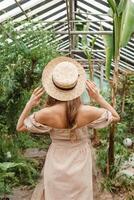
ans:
x=71 y=113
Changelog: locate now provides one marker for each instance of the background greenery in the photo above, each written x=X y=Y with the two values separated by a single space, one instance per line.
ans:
x=124 y=130
x=23 y=55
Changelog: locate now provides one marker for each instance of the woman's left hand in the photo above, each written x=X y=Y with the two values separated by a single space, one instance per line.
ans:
x=36 y=96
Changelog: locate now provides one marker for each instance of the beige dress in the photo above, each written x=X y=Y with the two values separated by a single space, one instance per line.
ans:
x=68 y=165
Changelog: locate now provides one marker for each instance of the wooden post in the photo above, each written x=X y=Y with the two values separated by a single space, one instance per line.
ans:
x=72 y=5
x=69 y=28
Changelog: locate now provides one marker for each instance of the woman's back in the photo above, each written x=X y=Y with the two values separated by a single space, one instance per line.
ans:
x=55 y=116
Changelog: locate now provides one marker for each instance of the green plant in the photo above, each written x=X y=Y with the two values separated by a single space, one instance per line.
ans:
x=7 y=175
x=22 y=60
x=23 y=55
x=108 y=43
x=123 y=13
x=114 y=183
x=26 y=140
x=117 y=184
x=121 y=132
x=7 y=145
x=87 y=47
x=107 y=184
x=19 y=172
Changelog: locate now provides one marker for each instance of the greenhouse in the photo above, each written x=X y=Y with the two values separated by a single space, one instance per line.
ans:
x=67 y=100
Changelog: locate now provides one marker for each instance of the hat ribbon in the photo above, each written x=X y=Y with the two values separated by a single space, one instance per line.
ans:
x=65 y=88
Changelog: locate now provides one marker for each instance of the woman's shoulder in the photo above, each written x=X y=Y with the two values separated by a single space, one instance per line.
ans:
x=88 y=114
x=91 y=110
x=51 y=110
x=51 y=116
x=43 y=114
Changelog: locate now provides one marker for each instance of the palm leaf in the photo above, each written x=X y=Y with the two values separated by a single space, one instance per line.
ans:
x=127 y=23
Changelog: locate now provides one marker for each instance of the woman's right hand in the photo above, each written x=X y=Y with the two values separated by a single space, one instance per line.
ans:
x=36 y=96
x=92 y=90
x=94 y=93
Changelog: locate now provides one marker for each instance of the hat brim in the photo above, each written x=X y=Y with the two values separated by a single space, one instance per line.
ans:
x=57 y=93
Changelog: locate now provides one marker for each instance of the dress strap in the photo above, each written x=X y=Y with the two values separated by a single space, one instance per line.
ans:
x=33 y=126
x=103 y=121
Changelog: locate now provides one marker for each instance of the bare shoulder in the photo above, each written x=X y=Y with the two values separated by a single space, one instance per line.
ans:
x=43 y=115
x=51 y=116
x=88 y=114
x=91 y=110
x=55 y=115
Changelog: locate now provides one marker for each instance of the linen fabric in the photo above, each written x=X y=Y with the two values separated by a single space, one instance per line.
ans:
x=68 y=165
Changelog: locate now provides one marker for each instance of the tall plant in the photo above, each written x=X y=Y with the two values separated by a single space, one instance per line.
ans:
x=123 y=27
x=23 y=55
x=88 y=50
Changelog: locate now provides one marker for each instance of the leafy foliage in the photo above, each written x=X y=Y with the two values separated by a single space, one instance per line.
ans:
x=126 y=87
x=22 y=59
x=16 y=173
x=108 y=43
x=23 y=55
x=123 y=27
x=124 y=129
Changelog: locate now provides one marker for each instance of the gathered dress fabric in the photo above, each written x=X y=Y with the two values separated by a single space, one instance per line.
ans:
x=68 y=165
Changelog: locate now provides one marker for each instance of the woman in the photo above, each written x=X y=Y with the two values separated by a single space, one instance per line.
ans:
x=68 y=165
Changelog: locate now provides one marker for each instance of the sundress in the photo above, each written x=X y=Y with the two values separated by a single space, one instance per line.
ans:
x=68 y=165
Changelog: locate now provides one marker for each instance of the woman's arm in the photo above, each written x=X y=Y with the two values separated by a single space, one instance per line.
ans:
x=33 y=101
x=94 y=93
x=20 y=125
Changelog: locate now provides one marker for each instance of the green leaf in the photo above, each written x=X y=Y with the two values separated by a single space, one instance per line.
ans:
x=108 y=42
x=93 y=42
x=8 y=165
x=121 y=6
x=117 y=2
x=84 y=37
x=85 y=42
x=127 y=23
x=79 y=26
x=6 y=175
x=117 y=28
x=112 y=5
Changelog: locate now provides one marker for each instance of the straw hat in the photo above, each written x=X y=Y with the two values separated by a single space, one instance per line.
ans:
x=64 y=78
